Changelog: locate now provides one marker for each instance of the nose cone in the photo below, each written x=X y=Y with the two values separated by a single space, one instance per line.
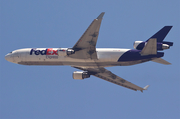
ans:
x=9 y=58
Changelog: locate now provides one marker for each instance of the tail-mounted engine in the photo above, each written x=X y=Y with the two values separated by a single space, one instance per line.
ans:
x=139 y=45
x=80 y=75
x=65 y=51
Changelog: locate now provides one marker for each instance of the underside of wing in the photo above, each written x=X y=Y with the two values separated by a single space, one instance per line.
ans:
x=85 y=47
x=161 y=61
x=109 y=76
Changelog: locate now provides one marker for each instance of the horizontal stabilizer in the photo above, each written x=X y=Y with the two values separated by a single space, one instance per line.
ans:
x=161 y=61
x=150 y=48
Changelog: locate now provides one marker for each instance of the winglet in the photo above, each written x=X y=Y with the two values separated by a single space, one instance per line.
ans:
x=101 y=15
x=145 y=88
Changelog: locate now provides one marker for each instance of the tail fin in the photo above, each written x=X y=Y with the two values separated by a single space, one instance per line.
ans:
x=161 y=61
x=161 y=34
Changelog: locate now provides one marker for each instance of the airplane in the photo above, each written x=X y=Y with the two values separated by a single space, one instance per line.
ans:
x=91 y=60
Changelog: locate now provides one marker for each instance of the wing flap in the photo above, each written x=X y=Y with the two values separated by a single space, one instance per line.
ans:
x=120 y=81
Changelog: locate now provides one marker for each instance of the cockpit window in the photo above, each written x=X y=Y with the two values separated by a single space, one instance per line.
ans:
x=10 y=52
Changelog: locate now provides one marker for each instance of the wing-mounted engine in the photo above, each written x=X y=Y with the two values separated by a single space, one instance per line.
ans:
x=139 y=45
x=80 y=75
x=65 y=51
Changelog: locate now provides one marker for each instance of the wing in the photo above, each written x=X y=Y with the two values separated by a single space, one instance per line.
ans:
x=109 y=76
x=85 y=47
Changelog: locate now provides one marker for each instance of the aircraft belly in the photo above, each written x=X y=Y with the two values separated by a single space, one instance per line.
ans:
x=83 y=64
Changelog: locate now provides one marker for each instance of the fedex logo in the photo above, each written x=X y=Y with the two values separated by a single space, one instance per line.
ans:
x=48 y=51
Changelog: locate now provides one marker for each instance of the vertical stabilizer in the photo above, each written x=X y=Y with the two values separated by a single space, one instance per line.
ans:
x=161 y=34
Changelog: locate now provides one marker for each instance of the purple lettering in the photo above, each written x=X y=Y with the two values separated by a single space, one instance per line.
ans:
x=32 y=50
x=43 y=52
x=37 y=52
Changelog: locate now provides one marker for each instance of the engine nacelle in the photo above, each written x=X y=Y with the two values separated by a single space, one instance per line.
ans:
x=139 y=45
x=80 y=75
x=65 y=51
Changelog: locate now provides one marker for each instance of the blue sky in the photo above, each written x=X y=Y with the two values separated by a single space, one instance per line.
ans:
x=49 y=92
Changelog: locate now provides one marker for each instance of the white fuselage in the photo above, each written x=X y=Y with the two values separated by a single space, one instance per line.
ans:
x=43 y=56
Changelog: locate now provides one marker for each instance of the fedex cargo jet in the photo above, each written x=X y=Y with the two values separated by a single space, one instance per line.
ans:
x=91 y=60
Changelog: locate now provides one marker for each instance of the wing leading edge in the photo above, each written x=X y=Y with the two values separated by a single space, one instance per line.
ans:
x=85 y=47
x=111 y=77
